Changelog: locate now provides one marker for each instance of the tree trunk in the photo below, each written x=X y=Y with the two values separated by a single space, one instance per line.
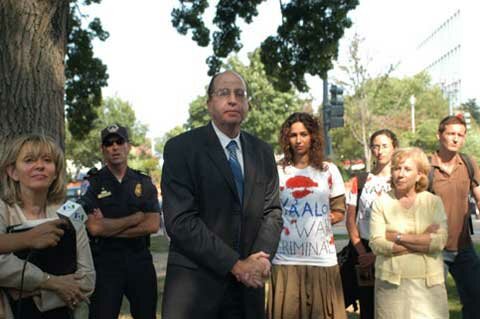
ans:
x=33 y=37
x=363 y=126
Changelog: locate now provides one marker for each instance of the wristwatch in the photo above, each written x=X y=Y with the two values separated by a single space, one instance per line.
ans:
x=398 y=238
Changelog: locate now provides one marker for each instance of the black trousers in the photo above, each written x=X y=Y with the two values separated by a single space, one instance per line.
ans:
x=194 y=293
x=127 y=272
x=366 y=294
x=26 y=309
x=232 y=302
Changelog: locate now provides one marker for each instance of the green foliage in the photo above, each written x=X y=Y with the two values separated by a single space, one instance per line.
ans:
x=472 y=145
x=227 y=39
x=268 y=107
x=425 y=135
x=85 y=74
x=198 y=114
x=142 y=159
x=474 y=110
x=160 y=141
x=85 y=151
x=189 y=16
x=306 y=41
x=389 y=107
x=345 y=146
x=384 y=102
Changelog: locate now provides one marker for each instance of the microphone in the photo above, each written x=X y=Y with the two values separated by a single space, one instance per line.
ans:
x=74 y=213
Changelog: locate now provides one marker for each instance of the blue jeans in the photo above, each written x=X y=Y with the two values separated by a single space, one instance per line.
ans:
x=465 y=270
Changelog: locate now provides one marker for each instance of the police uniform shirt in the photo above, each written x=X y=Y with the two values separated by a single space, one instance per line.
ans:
x=115 y=199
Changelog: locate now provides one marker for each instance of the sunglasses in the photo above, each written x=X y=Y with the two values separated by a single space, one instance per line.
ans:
x=118 y=141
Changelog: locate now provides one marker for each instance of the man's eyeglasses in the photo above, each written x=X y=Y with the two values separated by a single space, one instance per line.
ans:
x=226 y=92
x=118 y=141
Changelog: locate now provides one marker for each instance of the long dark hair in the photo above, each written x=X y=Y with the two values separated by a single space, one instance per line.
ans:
x=313 y=127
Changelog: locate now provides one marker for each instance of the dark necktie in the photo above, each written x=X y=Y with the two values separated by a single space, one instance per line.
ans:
x=235 y=167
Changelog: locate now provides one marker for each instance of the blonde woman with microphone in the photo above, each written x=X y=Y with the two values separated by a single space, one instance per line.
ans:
x=43 y=283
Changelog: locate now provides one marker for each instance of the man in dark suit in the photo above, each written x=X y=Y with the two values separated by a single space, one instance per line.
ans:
x=222 y=212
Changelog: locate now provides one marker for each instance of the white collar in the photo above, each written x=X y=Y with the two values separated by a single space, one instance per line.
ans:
x=224 y=139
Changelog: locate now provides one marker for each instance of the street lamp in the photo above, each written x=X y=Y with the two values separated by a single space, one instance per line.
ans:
x=412 y=105
x=450 y=102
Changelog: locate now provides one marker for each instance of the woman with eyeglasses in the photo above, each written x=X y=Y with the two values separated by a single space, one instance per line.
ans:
x=305 y=279
x=366 y=187
x=32 y=188
x=408 y=230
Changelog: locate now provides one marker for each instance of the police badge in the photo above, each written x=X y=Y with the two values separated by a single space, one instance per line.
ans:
x=138 y=190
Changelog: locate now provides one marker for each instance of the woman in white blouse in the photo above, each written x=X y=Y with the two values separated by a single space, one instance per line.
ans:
x=32 y=188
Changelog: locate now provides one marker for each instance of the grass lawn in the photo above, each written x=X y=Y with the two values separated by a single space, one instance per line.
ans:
x=341 y=237
x=158 y=244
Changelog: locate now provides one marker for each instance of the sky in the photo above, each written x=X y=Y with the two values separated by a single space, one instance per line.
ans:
x=160 y=72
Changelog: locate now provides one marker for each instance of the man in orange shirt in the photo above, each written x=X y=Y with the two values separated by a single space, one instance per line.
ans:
x=453 y=183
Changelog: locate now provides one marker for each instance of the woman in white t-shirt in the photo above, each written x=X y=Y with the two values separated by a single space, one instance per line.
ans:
x=382 y=144
x=305 y=279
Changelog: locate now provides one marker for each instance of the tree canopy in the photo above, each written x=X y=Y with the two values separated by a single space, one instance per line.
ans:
x=85 y=73
x=306 y=40
x=86 y=151
x=383 y=102
x=474 y=110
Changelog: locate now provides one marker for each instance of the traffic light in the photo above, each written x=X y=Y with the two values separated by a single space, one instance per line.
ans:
x=336 y=109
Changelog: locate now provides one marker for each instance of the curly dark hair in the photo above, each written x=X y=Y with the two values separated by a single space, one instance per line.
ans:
x=313 y=127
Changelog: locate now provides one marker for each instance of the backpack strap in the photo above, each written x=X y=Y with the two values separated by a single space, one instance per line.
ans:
x=471 y=174
x=468 y=163
x=361 y=180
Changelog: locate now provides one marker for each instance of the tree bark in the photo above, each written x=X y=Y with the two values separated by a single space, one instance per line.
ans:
x=33 y=37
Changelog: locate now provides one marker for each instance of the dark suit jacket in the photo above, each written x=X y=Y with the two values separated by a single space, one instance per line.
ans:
x=202 y=213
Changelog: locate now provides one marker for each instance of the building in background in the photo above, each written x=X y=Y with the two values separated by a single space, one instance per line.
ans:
x=450 y=54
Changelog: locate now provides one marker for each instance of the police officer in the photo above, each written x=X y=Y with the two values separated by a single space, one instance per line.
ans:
x=123 y=210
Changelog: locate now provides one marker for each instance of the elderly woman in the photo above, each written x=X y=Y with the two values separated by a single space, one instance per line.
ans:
x=32 y=188
x=407 y=234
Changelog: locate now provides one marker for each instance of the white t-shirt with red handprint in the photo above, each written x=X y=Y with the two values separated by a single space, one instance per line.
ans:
x=373 y=188
x=307 y=237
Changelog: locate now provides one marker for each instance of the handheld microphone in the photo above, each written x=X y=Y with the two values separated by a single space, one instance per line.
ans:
x=74 y=213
